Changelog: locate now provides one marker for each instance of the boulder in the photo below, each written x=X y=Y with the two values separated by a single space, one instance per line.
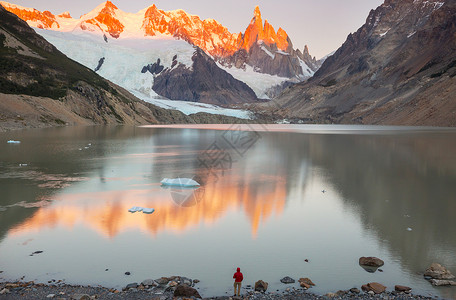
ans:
x=437 y=271
x=148 y=282
x=331 y=295
x=437 y=282
x=306 y=281
x=162 y=280
x=172 y=283
x=354 y=291
x=304 y=285
x=4 y=291
x=133 y=285
x=402 y=288
x=287 y=280
x=261 y=286
x=183 y=290
x=371 y=261
x=375 y=287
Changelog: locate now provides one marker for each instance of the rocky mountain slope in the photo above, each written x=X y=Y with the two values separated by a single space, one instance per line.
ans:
x=398 y=68
x=261 y=47
x=39 y=86
x=203 y=81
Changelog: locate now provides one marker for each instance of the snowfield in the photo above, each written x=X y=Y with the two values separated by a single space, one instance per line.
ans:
x=125 y=58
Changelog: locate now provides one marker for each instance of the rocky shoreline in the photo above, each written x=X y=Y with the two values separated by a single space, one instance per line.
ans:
x=180 y=287
x=175 y=287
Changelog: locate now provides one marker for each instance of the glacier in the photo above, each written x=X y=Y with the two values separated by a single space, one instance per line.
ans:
x=124 y=59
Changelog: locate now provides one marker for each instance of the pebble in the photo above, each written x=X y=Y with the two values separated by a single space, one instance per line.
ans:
x=287 y=280
x=50 y=296
x=127 y=273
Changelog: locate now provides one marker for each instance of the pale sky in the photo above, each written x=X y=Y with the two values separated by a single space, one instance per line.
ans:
x=323 y=25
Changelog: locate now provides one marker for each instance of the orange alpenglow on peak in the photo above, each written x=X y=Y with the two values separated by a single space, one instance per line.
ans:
x=105 y=17
x=43 y=20
x=209 y=35
x=257 y=32
x=65 y=15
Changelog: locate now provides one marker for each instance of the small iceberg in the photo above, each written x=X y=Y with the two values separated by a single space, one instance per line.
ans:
x=13 y=142
x=148 y=210
x=145 y=210
x=181 y=182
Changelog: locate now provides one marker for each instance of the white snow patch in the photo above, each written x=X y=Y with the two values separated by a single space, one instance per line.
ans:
x=258 y=82
x=267 y=51
x=306 y=70
x=124 y=60
x=282 y=52
x=188 y=107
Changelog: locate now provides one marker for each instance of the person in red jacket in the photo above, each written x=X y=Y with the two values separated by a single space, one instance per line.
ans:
x=238 y=277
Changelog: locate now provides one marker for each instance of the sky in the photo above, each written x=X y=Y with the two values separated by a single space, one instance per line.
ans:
x=323 y=25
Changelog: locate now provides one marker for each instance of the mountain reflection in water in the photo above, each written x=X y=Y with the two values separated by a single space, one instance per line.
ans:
x=269 y=204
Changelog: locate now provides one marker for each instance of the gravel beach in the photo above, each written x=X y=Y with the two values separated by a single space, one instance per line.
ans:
x=162 y=291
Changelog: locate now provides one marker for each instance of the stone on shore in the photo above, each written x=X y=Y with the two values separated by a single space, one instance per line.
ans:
x=162 y=280
x=148 y=282
x=133 y=285
x=306 y=281
x=331 y=295
x=172 y=283
x=437 y=271
x=371 y=261
x=375 y=287
x=402 y=288
x=81 y=297
x=287 y=280
x=261 y=286
x=4 y=291
x=354 y=290
x=183 y=290
x=304 y=285
x=442 y=282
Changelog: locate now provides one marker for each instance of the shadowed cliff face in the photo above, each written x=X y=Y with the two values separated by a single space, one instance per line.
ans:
x=398 y=68
x=204 y=82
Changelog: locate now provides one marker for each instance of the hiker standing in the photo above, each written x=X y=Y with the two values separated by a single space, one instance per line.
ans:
x=238 y=277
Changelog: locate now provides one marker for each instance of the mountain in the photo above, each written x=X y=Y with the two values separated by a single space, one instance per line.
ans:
x=261 y=47
x=40 y=86
x=398 y=68
x=203 y=81
x=270 y=52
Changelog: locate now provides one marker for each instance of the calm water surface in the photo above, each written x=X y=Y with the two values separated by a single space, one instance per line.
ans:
x=269 y=200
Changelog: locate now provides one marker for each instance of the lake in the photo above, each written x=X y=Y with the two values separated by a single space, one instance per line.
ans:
x=271 y=197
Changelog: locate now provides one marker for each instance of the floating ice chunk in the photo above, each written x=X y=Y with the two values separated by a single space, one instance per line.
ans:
x=148 y=210
x=23 y=165
x=135 y=209
x=409 y=229
x=145 y=210
x=182 y=182
x=13 y=142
